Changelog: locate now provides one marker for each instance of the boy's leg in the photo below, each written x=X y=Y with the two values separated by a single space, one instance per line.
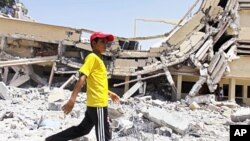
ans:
x=75 y=131
x=102 y=125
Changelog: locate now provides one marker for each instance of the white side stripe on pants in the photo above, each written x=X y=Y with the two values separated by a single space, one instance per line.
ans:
x=101 y=133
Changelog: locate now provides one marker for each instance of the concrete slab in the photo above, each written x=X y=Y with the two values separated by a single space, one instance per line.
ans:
x=186 y=29
x=174 y=120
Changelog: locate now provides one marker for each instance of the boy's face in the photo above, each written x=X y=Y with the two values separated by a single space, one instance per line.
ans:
x=100 y=45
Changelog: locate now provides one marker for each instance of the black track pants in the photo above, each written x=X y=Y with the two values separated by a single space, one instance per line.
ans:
x=94 y=116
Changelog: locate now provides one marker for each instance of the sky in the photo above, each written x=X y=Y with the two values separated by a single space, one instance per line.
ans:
x=110 y=16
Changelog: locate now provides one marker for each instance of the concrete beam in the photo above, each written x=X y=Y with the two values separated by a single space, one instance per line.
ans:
x=52 y=73
x=231 y=95
x=179 y=85
x=5 y=74
x=20 y=80
x=126 y=84
x=3 y=43
x=132 y=90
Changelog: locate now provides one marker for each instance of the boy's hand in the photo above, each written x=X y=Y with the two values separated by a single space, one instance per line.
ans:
x=67 y=108
x=114 y=97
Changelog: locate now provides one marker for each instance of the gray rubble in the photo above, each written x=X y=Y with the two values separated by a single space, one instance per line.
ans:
x=28 y=116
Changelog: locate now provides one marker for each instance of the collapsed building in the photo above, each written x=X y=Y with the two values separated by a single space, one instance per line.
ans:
x=209 y=50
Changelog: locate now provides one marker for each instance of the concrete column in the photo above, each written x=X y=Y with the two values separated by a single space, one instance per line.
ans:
x=3 y=44
x=179 y=85
x=127 y=84
x=244 y=93
x=52 y=73
x=231 y=95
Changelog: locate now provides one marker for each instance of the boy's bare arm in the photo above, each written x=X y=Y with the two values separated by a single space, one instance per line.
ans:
x=114 y=97
x=71 y=102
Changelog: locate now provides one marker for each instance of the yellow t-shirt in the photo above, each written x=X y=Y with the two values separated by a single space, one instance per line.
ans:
x=97 y=81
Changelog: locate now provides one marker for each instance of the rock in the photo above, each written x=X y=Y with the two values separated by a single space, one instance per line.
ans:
x=13 y=126
x=55 y=106
x=194 y=106
x=121 y=124
x=165 y=131
x=6 y=115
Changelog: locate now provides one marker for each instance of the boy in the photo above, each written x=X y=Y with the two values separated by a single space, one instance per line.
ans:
x=94 y=71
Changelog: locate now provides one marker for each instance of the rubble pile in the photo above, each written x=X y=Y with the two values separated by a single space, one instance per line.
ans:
x=35 y=113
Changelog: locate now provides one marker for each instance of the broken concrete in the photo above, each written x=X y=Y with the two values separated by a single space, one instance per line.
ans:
x=240 y=115
x=4 y=92
x=173 y=120
x=204 y=39
x=141 y=117
x=205 y=99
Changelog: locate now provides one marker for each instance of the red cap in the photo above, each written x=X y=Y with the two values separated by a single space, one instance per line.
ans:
x=94 y=35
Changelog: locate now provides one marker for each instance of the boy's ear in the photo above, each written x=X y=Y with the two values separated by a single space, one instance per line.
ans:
x=94 y=43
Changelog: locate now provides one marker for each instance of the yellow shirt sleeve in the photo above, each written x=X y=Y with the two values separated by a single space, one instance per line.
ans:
x=88 y=65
